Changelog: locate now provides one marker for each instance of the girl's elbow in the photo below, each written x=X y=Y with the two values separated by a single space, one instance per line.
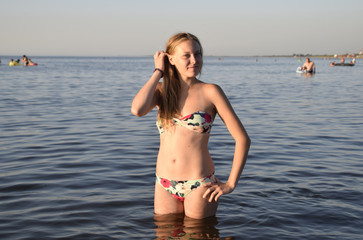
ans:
x=245 y=140
x=248 y=141
x=136 y=112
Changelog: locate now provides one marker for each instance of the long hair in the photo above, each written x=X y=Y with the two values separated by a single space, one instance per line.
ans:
x=168 y=105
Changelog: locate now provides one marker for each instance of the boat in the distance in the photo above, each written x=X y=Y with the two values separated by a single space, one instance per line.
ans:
x=343 y=63
x=333 y=64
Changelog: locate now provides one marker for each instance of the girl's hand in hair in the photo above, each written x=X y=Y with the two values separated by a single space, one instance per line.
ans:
x=159 y=58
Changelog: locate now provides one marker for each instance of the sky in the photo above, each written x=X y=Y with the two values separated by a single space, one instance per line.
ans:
x=142 y=27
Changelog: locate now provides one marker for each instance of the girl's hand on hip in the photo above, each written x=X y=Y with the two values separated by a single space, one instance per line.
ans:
x=215 y=190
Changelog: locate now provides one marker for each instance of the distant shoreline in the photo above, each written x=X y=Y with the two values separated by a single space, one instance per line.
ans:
x=220 y=56
x=314 y=56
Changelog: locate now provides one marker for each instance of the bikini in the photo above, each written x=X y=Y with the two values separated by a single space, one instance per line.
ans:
x=180 y=189
x=200 y=122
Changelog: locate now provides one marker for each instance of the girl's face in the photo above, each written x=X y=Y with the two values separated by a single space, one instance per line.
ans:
x=187 y=59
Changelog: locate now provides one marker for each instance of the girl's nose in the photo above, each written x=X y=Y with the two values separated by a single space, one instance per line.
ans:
x=193 y=59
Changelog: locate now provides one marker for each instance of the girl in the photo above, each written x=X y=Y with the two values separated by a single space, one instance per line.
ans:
x=185 y=180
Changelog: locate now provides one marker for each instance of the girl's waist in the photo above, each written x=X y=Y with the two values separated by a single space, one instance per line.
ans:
x=190 y=168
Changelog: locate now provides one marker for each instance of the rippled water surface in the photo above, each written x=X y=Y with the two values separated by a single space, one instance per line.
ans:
x=75 y=164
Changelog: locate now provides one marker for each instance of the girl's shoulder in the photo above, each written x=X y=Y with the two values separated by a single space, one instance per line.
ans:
x=213 y=93
x=211 y=88
x=159 y=88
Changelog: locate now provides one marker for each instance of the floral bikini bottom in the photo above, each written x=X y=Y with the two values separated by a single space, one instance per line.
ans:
x=180 y=189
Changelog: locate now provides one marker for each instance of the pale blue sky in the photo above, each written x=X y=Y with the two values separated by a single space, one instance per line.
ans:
x=141 y=27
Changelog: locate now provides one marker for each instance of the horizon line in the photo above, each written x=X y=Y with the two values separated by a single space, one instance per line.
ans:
x=211 y=55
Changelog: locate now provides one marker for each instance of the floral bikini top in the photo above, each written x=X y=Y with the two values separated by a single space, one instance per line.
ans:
x=200 y=122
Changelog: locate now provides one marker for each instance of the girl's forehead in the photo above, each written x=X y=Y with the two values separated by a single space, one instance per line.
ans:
x=187 y=46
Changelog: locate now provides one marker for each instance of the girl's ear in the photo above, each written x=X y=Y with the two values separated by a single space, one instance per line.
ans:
x=171 y=59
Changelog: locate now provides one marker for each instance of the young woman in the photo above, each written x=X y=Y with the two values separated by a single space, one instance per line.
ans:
x=185 y=180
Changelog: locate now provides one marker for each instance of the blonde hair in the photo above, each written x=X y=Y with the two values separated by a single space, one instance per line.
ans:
x=168 y=102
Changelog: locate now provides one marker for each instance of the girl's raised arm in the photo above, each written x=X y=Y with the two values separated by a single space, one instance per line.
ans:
x=146 y=99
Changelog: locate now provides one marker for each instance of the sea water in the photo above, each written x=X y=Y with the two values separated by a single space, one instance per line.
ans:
x=76 y=164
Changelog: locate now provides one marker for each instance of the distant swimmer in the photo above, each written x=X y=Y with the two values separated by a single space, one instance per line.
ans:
x=31 y=63
x=25 y=60
x=309 y=66
x=14 y=63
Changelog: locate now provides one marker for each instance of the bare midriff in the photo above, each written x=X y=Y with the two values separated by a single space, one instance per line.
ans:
x=183 y=155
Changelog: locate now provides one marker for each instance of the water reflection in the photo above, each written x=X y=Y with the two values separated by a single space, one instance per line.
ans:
x=178 y=226
x=307 y=74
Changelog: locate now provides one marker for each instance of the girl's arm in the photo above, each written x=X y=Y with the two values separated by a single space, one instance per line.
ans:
x=146 y=99
x=242 y=142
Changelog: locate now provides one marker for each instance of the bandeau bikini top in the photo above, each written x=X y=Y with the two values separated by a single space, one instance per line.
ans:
x=200 y=122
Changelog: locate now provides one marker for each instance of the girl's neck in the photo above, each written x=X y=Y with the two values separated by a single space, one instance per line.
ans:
x=187 y=83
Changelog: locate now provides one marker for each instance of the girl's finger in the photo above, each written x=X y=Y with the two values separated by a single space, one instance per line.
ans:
x=218 y=196
x=206 y=193
x=212 y=195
